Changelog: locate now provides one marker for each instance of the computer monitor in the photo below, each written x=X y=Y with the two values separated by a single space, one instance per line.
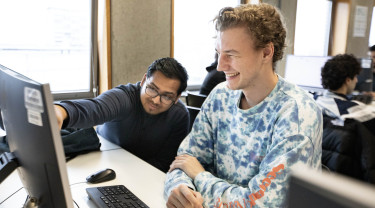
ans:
x=34 y=139
x=365 y=78
x=305 y=71
x=309 y=188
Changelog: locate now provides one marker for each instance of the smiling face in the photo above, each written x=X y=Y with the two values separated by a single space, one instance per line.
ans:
x=243 y=65
x=164 y=86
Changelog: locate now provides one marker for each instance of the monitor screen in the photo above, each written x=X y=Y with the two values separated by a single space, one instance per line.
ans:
x=308 y=188
x=365 y=77
x=305 y=71
x=34 y=138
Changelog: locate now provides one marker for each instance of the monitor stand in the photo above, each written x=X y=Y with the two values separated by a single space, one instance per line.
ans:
x=31 y=202
x=8 y=163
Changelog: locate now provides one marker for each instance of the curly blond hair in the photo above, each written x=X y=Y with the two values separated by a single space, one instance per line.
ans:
x=263 y=21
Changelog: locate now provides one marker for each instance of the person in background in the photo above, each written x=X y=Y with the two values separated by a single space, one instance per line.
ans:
x=146 y=118
x=339 y=78
x=253 y=128
x=372 y=55
x=213 y=78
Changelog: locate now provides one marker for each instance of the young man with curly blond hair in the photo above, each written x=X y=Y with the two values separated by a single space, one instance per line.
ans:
x=253 y=128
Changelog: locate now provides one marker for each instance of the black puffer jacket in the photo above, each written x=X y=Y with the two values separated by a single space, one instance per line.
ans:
x=349 y=149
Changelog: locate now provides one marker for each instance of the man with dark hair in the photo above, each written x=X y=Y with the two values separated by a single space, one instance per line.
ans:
x=339 y=74
x=339 y=78
x=372 y=55
x=146 y=118
x=213 y=78
x=253 y=128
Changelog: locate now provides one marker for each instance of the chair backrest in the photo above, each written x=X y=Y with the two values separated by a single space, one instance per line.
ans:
x=195 y=100
x=193 y=112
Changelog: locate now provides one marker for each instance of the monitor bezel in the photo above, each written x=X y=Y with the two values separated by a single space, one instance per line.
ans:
x=311 y=188
x=28 y=152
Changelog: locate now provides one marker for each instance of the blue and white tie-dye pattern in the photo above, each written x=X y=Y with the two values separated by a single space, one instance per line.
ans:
x=248 y=153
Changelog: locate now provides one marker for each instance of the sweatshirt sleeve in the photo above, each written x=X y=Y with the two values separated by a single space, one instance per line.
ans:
x=177 y=176
x=265 y=189
x=86 y=113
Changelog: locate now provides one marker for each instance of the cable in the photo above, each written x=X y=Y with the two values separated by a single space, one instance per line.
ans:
x=77 y=183
x=75 y=203
x=10 y=196
x=27 y=198
x=111 y=149
x=73 y=185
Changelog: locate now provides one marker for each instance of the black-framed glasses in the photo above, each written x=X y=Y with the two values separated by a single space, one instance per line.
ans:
x=163 y=98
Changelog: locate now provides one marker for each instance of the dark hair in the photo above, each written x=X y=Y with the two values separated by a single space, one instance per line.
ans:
x=372 y=48
x=337 y=69
x=263 y=21
x=170 y=68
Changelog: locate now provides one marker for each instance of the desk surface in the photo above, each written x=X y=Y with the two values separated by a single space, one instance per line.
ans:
x=144 y=180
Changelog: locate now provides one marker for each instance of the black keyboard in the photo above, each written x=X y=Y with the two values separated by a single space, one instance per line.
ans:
x=114 y=196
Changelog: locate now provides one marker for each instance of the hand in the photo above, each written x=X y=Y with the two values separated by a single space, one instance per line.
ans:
x=189 y=164
x=183 y=196
x=372 y=94
x=369 y=93
x=61 y=115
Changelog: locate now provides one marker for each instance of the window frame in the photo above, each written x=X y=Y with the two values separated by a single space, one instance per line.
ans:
x=90 y=88
x=93 y=62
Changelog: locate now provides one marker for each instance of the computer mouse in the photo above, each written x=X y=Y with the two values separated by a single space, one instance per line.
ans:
x=101 y=176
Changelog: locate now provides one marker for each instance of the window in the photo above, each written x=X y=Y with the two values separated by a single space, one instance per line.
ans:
x=372 y=29
x=312 y=29
x=194 y=32
x=340 y=26
x=51 y=42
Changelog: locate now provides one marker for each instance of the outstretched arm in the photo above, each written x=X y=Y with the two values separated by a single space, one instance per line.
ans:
x=84 y=113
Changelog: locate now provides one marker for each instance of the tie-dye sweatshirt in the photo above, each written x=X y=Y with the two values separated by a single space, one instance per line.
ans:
x=247 y=154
